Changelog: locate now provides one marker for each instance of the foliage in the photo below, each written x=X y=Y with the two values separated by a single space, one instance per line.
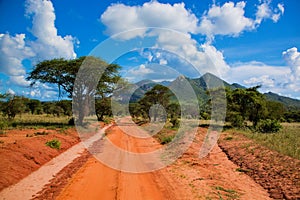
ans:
x=268 y=126
x=54 y=144
x=103 y=107
x=13 y=106
x=249 y=104
x=96 y=78
x=158 y=95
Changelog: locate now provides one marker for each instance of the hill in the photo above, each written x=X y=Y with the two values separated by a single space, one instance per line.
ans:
x=204 y=83
x=288 y=102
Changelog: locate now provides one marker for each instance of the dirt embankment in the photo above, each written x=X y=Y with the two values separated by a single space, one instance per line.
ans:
x=277 y=173
x=24 y=151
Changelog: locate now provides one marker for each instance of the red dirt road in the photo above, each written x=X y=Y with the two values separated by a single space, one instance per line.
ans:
x=214 y=177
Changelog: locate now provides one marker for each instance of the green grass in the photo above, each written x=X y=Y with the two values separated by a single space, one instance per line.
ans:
x=286 y=141
x=35 y=121
x=230 y=194
x=54 y=144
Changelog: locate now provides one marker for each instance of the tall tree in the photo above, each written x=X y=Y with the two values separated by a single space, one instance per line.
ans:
x=246 y=104
x=157 y=95
x=94 y=78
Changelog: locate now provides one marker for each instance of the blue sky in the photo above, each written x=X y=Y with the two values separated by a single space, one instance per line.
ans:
x=251 y=43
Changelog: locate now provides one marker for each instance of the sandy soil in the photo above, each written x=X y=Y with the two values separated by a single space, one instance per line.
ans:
x=23 y=152
x=214 y=177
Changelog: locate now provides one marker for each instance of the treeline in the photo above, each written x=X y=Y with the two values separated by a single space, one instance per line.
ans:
x=244 y=108
x=97 y=80
x=12 y=105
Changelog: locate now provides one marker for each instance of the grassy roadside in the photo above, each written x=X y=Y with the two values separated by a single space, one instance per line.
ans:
x=286 y=141
x=35 y=121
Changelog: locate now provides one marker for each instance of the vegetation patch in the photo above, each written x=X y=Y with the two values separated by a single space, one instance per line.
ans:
x=230 y=194
x=41 y=133
x=54 y=144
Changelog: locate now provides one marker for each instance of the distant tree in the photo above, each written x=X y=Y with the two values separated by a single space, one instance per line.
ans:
x=35 y=106
x=103 y=107
x=276 y=110
x=157 y=95
x=13 y=106
x=174 y=112
x=66 y=106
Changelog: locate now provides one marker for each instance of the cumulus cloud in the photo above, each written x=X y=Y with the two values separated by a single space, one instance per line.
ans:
x=265 y=11
x=10 y=92
x=141 y=71
x=119 y=18
x=292 y=58
x=263 y=80
x=13 y=51
x=227 y=19
x=48 y=44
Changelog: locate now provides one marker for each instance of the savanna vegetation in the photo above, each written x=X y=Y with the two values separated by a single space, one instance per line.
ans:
x=247 y=108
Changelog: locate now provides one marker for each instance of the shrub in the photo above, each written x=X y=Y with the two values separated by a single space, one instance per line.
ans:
x=71 y=122
x=237 y=121
x=175 y=122
x=54 y=144
x=166 y=140
x=268 y=126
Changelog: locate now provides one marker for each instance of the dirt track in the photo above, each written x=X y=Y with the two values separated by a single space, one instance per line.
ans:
x=214 y=177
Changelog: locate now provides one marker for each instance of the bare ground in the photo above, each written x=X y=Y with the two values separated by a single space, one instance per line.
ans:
x=213 y=177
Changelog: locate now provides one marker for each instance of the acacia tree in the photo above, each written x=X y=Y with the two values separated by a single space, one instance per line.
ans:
x=245 y=104
x=96 y=78
x=157 y=95
x=13 y=106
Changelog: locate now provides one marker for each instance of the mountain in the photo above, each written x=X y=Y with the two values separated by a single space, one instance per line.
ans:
x=210 y=81
x=201 y=85
x=143 y=87
x=286 y=101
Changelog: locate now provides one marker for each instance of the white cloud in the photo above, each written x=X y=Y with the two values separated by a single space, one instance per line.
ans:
x=13 y=51
x=119 y=18
x=142 y=70
x=227 y=19
x=19 y=80
x=263 y=80
x=292 y=58
x=10 y=91
x=48 y=44
x=264 y=11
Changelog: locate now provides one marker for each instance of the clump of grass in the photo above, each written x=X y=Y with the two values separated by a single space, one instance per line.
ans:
x=166 y=139
x=231 y=194
x=242 y=170
x=54 y=144
x=41 y=133
x=228 y=138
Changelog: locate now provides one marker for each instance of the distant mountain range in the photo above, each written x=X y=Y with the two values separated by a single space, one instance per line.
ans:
x=202 y=84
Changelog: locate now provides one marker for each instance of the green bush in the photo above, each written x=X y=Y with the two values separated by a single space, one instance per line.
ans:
x=166 y=140
x=268 y=126
x=237 y=121
x=54 y=144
